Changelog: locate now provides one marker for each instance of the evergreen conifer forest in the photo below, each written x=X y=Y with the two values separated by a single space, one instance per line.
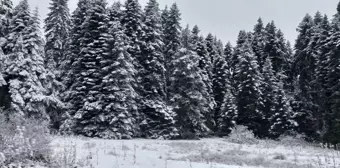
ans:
x=123 y=71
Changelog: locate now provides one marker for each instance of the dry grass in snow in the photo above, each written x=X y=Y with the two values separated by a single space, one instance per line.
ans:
x=206 y=153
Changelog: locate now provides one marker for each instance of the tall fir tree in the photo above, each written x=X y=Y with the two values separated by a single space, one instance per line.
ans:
x=259 y=42
x=159 y=118
x=275 y=47
x=24 y=65
x=171 y=38
x=268 y=88
x=285 y=60
x=248 y=98
x=220 y=81
x=228 y=52
x=212 y=50
x=118 y=94
x=314 y=53
x=6 y=9
x=188 y=94
x=88 y=119
x=35 y=42
x=115 y=12
x=73 y=50
x=133 y=27
x=229 y=114
x=282 y=121
x=235 y=60
x=332 y=115
x=304 y=67
x=72 y=65
x=20 y=20
x=205 y=65
x=57 y=31
x=324 y=48
x=132 y=22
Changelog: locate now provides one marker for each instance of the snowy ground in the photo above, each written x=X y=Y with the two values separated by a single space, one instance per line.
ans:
x=206 y=153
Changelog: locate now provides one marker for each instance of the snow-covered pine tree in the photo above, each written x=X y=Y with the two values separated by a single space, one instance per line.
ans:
x=332 y=115
x=57 y=30
x=159 y=117
x=285 y=54
x=268 y=89
x=6 y=8
x=304 y=67
x=188 y=93
x=211 y=48
x=214 y=72
x=164 y=17
x=235 y=60
x=249 y=96
x=219 y=46
x=229 y=113
x=132 y=21
x=198 y=45
x=313 y=51
x=220 y=83
x=115 y=12
x=241 y=39
x=21 y=17
x=94 y=47
x=228 y=52
x=275 y=47
x=24 y=64
x=185 y=36
x=119 y=112
x=34 y=43
x=133 y=24
x=281 y=120
x=171 y=37
x=324 y=48
x=76 y=33
x=288 y=70
x=73 y=96
x=258 y=43
x=33 y=37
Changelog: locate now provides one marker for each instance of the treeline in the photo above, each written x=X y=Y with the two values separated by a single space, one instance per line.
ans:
x=123 y=72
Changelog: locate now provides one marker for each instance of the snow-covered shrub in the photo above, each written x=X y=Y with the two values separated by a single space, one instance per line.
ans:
x=241 y=135
x=296 y=140
x=23 y=141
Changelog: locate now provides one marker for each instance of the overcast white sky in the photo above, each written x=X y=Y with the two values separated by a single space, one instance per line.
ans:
x=225 y=18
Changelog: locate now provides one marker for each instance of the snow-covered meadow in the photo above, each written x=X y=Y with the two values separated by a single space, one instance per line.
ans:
x=205 y=153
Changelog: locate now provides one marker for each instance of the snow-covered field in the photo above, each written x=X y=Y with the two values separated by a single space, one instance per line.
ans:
x=206 y=153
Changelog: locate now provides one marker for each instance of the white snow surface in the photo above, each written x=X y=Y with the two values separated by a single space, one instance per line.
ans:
x=205 y=153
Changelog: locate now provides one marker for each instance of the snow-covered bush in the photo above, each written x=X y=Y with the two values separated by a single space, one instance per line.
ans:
x=241 y=135
x=23 y=141
x=295 y=140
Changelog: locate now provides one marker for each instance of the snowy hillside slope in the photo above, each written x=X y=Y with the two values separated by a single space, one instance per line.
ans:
x=206 y=153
